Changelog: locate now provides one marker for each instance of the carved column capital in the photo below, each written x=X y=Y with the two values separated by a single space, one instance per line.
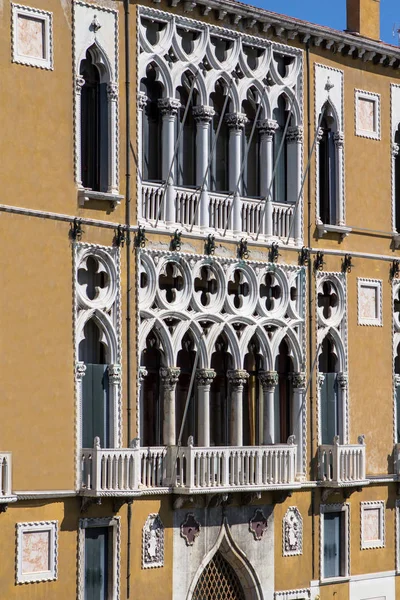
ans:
x=298 y=380
x=320 y=135
x=205 y=377
x=143 y=372
x=397 y=380
x=338 y=139
x=294 y=134
x=141 y=100
x=79 y=83
x=169 y=106
x=267 y=128
x=269 y=380
x=80 y=370
x=169 y=376
x=320 y=380
x=114 y=373
x=112 y=92
x=236 y=121
x=203 y=114
x=237 y=378
x=343 y=380
x=395 y=149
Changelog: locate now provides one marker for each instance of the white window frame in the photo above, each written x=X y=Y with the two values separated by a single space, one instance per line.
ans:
x=37 y=526
x=376 y=284
x=115 y=524
x=41 y=15
x=370 y=544
x=376 y=99
x=335 y=508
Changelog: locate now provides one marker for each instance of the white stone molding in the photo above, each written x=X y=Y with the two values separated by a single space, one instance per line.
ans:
x=166 y=51
x=96 y=27
x=292 y=532
x=105 y=309
x=372 y=524
x=26 y=24
x=329 y=91
x=283 y=313
x=153 y=542
x=114 y=523
x=369 y=302
x=334 y=326
x=37 y=551
x=367 y=118
x=304 y=594
x=330 y=508
x=394 y=126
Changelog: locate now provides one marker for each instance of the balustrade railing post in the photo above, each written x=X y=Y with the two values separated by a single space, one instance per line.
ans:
x=96 y=465
x=190 y=458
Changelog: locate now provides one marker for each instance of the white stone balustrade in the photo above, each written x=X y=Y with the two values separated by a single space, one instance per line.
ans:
x=5 y=476
x=231 y=468
x=342 y=465
x=276 y=218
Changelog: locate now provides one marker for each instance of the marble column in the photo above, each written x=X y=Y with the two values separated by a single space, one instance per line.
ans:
x=394 y=152
x=169 y=109
x=169 y=378
x=114 y=382
x=267 y=129
x=237 y=380
x=343 y=381
x=203 y=116
x=236 y=123
x=141 y=103
x=294 y=175
x=299 y=387
x=112 y=97
x=338 y=139
x=79 y=83
x=141 y=377
x=269 y=381
x=204 y=379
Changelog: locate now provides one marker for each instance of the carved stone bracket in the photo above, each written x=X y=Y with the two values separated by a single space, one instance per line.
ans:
x=114 y=373
x=87 y=501
x=118 y=503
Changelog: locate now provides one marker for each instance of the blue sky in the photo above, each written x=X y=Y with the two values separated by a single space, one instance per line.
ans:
x=323 y=13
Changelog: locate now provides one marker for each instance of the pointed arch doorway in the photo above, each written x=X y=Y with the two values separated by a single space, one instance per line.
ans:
x=218 y=580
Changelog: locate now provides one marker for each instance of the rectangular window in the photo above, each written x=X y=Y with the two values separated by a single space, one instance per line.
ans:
x=329 y=408
x=99 y=564
x=334 y=541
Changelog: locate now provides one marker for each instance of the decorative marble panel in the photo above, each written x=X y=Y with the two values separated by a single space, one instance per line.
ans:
x=36 y=551
x=32 y=42
x=372 y=525
x=153 y=543
x=369 y=301
x=292 y=534
x=367 y=114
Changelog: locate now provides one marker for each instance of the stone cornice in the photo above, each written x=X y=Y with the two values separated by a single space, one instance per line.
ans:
x=253 y=21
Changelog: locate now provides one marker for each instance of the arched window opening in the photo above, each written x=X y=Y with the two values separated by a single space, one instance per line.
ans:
x=94 y=126
x=252 y=395
x=96 y=421
x=218 y=580
x=221 y=362
x=397 y=182
x=281 y=174
x=152 y=127
x=219 y=172
x=251 y=172
x=152 y=409
x=186 y=154
x=185 y=361
x=283 y=395
x=329 y=401
x=327 y=171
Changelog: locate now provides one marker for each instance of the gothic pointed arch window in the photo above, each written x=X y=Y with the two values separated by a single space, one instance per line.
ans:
x=152 y=126
x=397 y=390
x=218 y=580
x=252 y=394
x=327 y=169
x=251 y=144
x=185 y=362
x=219 y=171
x=397 y=180
x=95 y=127
x=221 y=362
x=151 y=405
x=329 y=396
x=186 y=153
x=283 y=395
x=281 y=165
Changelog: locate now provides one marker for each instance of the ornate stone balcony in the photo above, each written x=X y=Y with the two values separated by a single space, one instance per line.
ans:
x=6 y=494
x=342 y=465
x=245 y=215
x=186 y=470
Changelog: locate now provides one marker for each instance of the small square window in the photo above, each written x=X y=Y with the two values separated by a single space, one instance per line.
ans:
x=37 y=551
x=368 y=114
x=369 y=301
x=32 y=37
x=372 y=525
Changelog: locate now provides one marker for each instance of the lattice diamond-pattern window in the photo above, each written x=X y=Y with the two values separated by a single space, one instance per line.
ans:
x=218 y=582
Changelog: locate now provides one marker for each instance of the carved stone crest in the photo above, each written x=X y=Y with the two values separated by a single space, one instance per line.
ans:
x=190 y=529
x=153 y=543
x=258 y=524
x=292 y=533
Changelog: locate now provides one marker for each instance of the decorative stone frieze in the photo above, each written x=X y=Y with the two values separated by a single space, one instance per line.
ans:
x=190 y=529
x=153 y=543
x=292 y=532
x=258 y=525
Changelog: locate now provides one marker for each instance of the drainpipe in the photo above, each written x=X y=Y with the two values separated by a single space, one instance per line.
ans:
x=310 y=311
x=128 y=275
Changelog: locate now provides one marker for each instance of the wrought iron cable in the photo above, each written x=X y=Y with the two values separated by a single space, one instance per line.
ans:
x=304 y=176
x=267 y=196
x=201 y=189
x=244 y=160
x=177 y=142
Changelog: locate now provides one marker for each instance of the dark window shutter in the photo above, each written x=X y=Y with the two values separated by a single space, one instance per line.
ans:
x=329 y=408
x=332 y=547
x=96 y=563
x=95 y=406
